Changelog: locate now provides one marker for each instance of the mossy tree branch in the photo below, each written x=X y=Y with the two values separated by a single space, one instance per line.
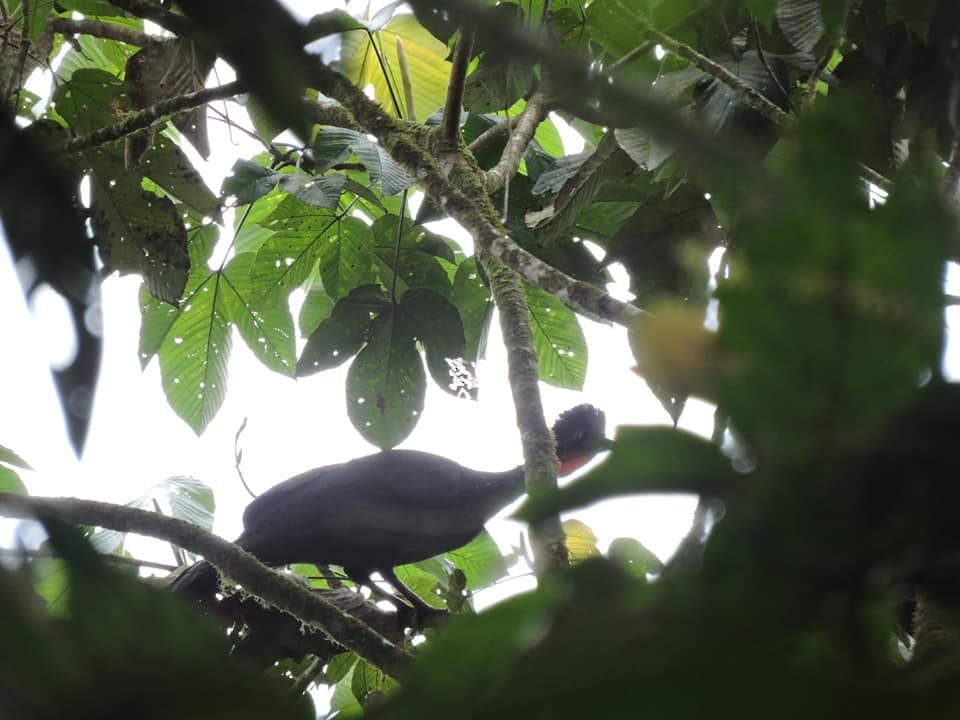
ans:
x=256 y=578
x=148 y=116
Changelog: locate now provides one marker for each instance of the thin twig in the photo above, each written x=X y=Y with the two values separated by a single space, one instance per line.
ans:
x=491 y=133
x=178 y=556
x=238 y=456
x=766 y=65
x=148 y=116
x=257 y=579
x=309 y=676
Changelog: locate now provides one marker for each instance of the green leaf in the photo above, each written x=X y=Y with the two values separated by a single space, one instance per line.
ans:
x=368 y=680
x=340 y=336
x=436 y=323
x=194 y=353
x=251 y=181
x=495 y=86
x=644 y=460
x=343 y=701
x=339 y=666
x=558 y=339
x=426 y=58
x=269 y=331
x=762 y=10
x=169 y=167
x=191 y=500
x=632 y=553
x=480 y=560
x=315 y=309
x=52 y=584
x=474 y=302
x=386 y=383
x=347 y=257
x=9 y=457
x=422 y=583
x=10 y=481
x=415 y=268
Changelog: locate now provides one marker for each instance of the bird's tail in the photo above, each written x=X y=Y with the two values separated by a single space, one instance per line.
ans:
x=198 y=582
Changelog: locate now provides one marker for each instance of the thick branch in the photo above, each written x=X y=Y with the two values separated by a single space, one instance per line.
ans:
x=532 y=115
x=97 y=28
x=255 y=578
x=450 y=125
x=540 y=460
x=147 y=117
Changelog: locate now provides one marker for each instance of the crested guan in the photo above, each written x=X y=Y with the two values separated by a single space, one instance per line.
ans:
x=387 y=509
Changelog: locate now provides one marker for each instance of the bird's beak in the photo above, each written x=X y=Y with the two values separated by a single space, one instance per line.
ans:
x=605 y=444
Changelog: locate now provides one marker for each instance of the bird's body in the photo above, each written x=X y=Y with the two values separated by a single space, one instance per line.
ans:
x=375 y=512
x=391 y=508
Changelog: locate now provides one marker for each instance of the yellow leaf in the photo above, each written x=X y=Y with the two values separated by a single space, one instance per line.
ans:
x=673 y=350
x=581 y=542
x=426 y=59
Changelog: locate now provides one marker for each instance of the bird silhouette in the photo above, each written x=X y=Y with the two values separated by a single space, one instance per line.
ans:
x=391 y=508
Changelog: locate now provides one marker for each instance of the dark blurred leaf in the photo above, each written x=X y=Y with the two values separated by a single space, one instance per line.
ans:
x=47 y=240
x=632 y=553
x=267 y=53
x=645 y=460
x=101 y=656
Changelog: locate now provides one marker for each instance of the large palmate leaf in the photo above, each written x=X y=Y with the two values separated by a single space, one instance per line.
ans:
x=558 y=339
x=426 y=58
x=475 y=304
x=407 y=262
x=339 y=337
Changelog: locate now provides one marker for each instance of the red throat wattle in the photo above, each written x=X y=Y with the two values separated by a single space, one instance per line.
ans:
x=568 y=465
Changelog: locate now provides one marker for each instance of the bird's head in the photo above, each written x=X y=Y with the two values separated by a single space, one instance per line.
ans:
x=580 y=435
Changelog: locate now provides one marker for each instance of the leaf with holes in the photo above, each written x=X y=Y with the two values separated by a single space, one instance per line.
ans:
x=341 y=335
x=194 y=353
x=268 y=332
x=436 y=323
x=386 y=383
x=347 y=257
x=426 y=59
x=286 y=258
x=415 y=268
x=558 y=338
